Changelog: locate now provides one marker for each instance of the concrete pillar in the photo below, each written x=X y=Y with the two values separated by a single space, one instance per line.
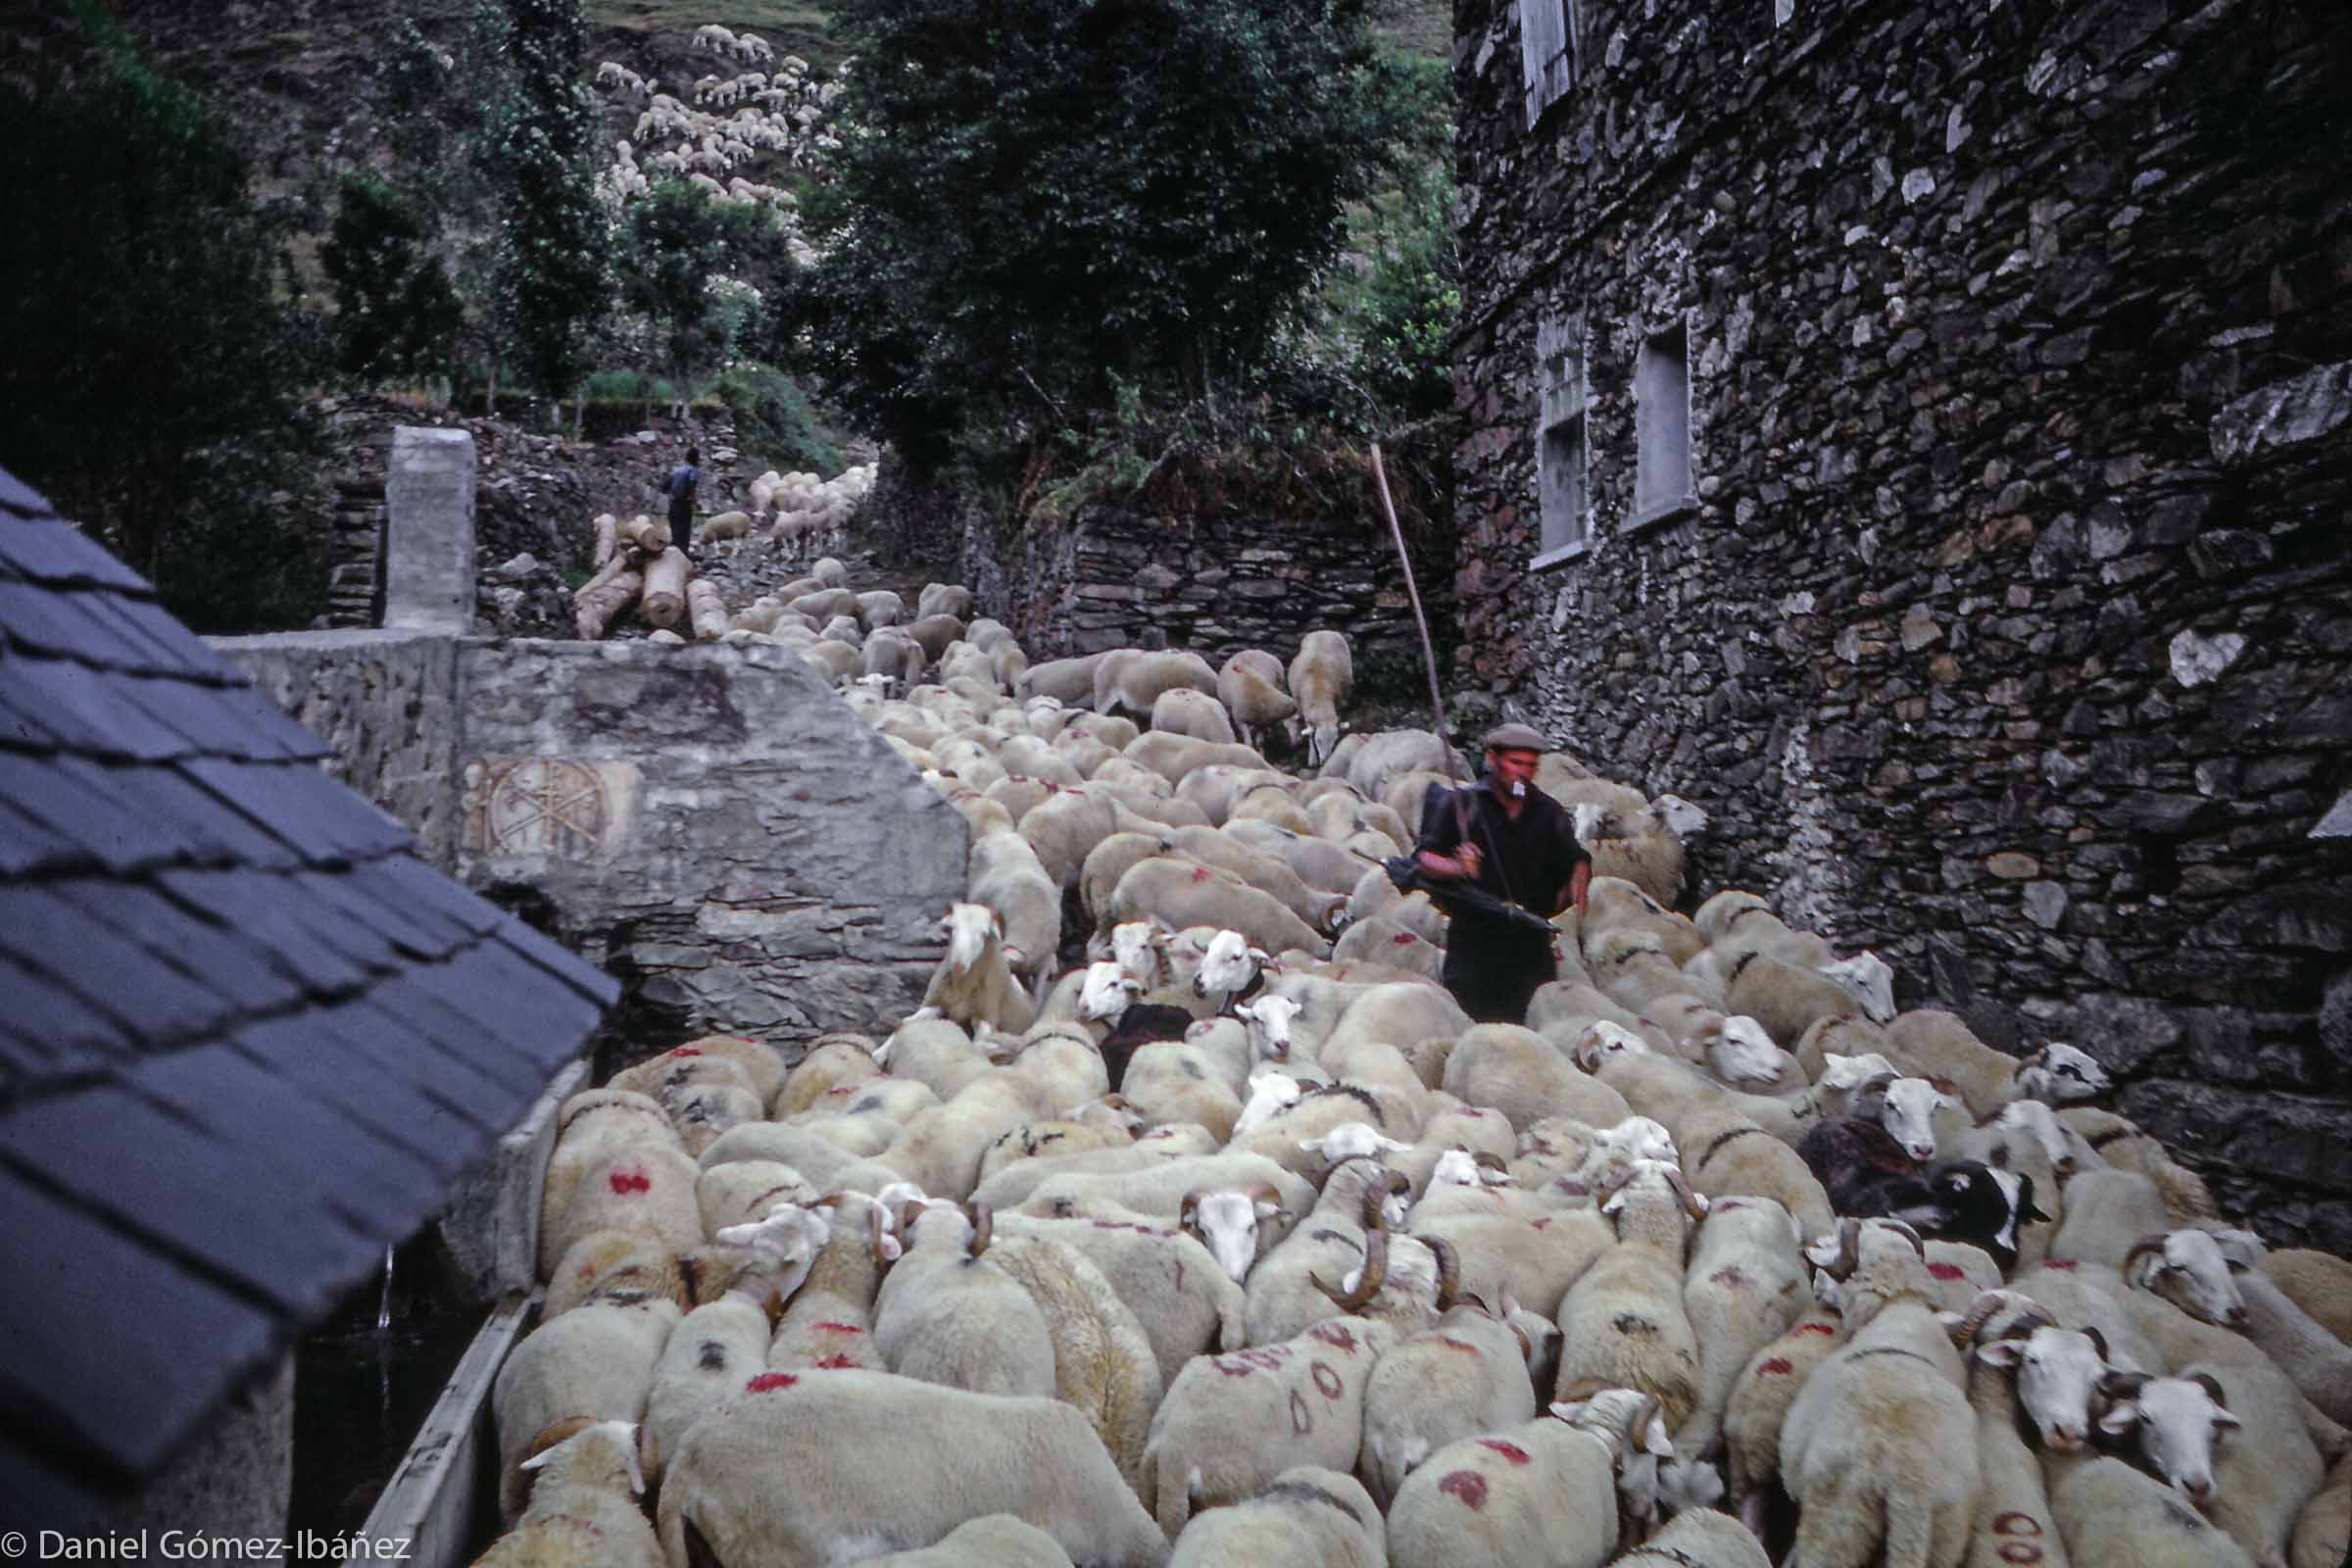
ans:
x=428 y=531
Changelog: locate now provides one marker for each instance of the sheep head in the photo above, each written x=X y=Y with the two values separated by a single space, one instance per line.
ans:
x=592 y=1453
x=2059 y=1371
x=2175 y=1422
x=1227 y=965
x=1738 y=1051
x=1232 y=1224
x=1269 y=1020
x=2188 y=1268
x=1105 y=993
x=1270 y=1094
x=1603 y=1040
x=1867 y=979
x=2062 y=1074
x=1351 y=1139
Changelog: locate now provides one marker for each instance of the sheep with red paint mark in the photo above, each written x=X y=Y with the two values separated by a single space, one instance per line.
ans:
x=1560 y=1492
x=646 y=1190
x=1232 y=1423
x=589 y=1126
x=1469 y=1373
x=583 y=1510
x=1746 y=1285
x=829 y=1321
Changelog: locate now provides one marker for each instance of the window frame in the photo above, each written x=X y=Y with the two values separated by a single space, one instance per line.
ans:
x=1651 y=507
x=1564 y=396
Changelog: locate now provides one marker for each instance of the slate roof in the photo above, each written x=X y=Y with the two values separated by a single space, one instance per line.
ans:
x=249 y=1039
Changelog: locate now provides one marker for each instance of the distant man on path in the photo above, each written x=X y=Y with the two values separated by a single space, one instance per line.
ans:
x=680 y=488
x=1520 y=846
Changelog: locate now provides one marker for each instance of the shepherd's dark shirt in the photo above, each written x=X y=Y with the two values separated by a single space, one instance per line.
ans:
x=1492 y=966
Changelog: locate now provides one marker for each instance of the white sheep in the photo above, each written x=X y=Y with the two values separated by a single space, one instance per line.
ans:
x=1322 y=675
x=2315 y=1360
x=880 y=1462
x=947 y=1315
x=1465 y=1375
x=584 y=1508
x=1307 y=1514
x=1623 y=1324
x=1880 y=1446
x=1560 y=1492
x=1934 y=1044
x=597 y=1360
x=1232 y=1423
x=1746 y=1285
x=1250 y=684
x=1132 y=680
x=1006 y=876
x=974 y=982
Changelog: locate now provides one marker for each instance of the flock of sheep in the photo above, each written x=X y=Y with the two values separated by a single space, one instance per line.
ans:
x=785 y=111
x=1233 y=1241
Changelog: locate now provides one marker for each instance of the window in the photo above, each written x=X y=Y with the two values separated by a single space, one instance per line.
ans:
x=1560 y=464
x=1782 y=12
x=1662 y=427
x=1551 y=51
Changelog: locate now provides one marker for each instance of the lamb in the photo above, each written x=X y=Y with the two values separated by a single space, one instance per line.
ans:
x=1250 y=686
x=1305 y=1515
x=1561 y=1492
x=880 y=1462
x=1232 y=1423
x=584 y=1508
x=1322 y=674
x=1465 y=1375
x=970 y=1328
x=974 y=983
x=596 y=1361
x=1937 y=1045
x=1623 y=1324
x=1880 y=1449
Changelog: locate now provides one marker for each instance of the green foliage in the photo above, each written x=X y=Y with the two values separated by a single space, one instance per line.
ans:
x=679 y=247
x=153 y=363
x=397 y=313
x=775 y=425
x=544 y=141
x=1038 y=198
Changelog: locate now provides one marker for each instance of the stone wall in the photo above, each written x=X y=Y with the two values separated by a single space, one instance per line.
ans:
x=711 y=824
x=1116 y=575
x=2005 y=626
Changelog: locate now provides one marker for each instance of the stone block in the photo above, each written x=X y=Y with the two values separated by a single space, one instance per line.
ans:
x=491 y=1226
x=428 y=532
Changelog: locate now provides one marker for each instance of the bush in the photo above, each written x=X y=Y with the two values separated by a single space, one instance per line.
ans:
x=396 y=312
x=774 y=423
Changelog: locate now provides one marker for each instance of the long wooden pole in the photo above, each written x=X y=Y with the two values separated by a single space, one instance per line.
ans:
x=1429 y=648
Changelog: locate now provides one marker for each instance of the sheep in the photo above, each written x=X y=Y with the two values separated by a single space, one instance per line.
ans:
x=1250 y=684
x=1516 y=1071
x=829 y=1321
x=1932 y=1044
x=1787 y=999
x=1183 y=893
x=2317 y=1362
x=1067 y=680
x=1007 y=875
x=1158 y=1187
x=1293 y=1285
x=583 y=1507
x=1304 y=1515
x=1231 y=1423
x=596 y=1361
x=1132 y=678
x=2120 y=1142
x=1623 y=1324
x=2110 y=1214
x=2110 y=1515
x=1560 y=1492
x=939 y=1149
x=972 y=1328
x=1757 y=1409
x=1322 y=673
x=1879 y=1450
x=1103 y=1362
x=974 y=983
x=1636 y=847
x=2324 y=1534
x=1268 y=873
x=943 y=599
x=993 y=1541
x=646 y=1190
x=1182 y=1297
x=1466 y=1374
x=936 y=1052
x=1745 y=1287
x=880 y=1462
x=1187 y=710
x=1726 y=1154
x=2260 y=1478
x=2319 y=1282
x=1702 y=1538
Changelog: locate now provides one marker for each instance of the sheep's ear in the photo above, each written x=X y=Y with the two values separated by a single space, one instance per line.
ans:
x=2003 y=1354
x=1246 y=1009
x=2223 y=1421
x=2117 y=1419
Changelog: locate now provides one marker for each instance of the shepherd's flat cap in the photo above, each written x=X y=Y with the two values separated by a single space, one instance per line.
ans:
x=1514 y=738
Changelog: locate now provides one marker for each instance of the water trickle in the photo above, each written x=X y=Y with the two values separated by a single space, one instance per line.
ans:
x=383 y=1310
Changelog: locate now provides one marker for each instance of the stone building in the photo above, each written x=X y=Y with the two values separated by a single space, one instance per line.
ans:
x=1921 y=434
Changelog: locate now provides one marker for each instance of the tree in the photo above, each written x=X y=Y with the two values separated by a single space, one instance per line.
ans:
x=153 y=355
x=680 y=246
x=1037 y=200
x=396 y=311
x=543 y=138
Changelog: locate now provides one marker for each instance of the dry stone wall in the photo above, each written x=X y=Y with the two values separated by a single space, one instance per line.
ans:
x=2004 y=625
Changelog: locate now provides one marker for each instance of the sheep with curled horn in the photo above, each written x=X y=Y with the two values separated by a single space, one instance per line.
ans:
x=1879 y=1450
x=946 y=1314
x=1623 y=1323
x=1469 y=1372
x=1360 y=1197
